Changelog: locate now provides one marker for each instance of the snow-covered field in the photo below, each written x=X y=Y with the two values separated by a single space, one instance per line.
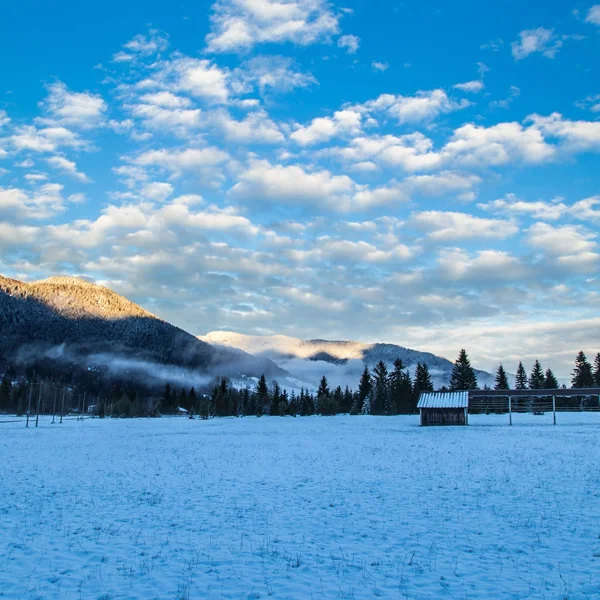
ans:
x=343 y=507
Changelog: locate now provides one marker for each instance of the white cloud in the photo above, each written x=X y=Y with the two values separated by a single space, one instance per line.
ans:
x=72 y=109
x=176 y=120
x=69 y=167
x=264 y=182
x=4 y=118
x=273 y=74
x=380 y=66
x=343 y=122
x=350 y=42
x=487 y=265
x=423 y=106
x=575 y=135
x=442 y=226
x=143 y=46
x=536 y=40
x=510 y=204
x=497 y=145
x=238 y=25
x=472 y=87
x=47 y=139
x=43 y=203
x=513 y=94
x=200 y=78
x=562 y=240
x=166 y=100
x=256 y=127
x=157 y=191
x=178 y=161
x=593 y=15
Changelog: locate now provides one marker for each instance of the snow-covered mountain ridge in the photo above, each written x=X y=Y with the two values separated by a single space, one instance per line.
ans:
x=341 y=361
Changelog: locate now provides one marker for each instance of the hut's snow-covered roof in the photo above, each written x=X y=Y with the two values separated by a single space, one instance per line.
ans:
x=444 y=400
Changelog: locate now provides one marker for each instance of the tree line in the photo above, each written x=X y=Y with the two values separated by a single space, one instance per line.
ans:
x=380 y=391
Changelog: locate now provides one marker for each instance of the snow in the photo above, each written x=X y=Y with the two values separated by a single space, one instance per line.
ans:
x=341 y=507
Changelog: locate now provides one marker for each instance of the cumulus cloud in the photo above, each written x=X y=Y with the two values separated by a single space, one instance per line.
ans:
x=540 y=210
x=322 y=129
x=179 y=161
x=541 y=40
x=142 y=46
x=272 y=74
x=423 y=106
x=593 y=15
x=443 y=226
x=380 y=66
x=472 y=87
x=350 y=42
x=561 y=240
x=72 y=109
x=69 y=167
x=238 y=25
x=198 y=77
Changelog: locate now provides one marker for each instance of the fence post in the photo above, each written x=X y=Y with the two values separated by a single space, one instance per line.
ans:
x=54 y=403
x=29 y=404
x=509 y=411
x=554 y=409
x=62 y=406
x=37 y=412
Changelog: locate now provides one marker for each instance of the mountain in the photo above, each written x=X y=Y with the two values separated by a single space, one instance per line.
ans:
x=70 y=320
x=341 y=361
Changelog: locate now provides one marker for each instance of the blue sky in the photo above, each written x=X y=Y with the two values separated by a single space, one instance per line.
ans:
x=415 y=173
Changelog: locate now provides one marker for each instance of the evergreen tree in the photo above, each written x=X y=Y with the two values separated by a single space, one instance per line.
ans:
x=283 y=404
x=262 y=395
x=463 y=376
x=550 y=381
x=380 y=385
x=364 y=387
x=501 y=380
x=521 y=378
x=323 y=391
x=423 y=381
x=597 y=370
x=583 y=376
x=368 y=402
x=5 y=394
x=275 y=399
x=166 y=402
x=346 y=405
x=536 y=379
x=193 y=400
x=293 y=407
x=183 y=400
x=338 y=399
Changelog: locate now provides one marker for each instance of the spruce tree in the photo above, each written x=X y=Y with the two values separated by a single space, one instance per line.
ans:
x=193 y=400
x=368 y=402
x=583 y=376
x=166 y=400
x=262 y=395
x=597 y=370
x=364 y=387
x=423 y=381
x=5 y=394
x=275 y=399
x=463 y=376
x=550 y=381
x=380 y=385
x=521 y=378
x=501 y=379
x=536 y=379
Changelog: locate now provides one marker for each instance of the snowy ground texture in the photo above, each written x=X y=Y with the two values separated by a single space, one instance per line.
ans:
x=342 y=507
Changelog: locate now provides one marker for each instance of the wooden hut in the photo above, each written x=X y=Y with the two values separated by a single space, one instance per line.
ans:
x=444 y=408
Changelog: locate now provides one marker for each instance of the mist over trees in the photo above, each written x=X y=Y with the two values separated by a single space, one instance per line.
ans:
x=382 y=390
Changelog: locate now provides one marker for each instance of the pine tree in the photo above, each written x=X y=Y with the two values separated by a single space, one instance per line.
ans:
x=521 y=378
x=597 y=370
x=583 y=376
x=380 y=385
x=5 y=394
x=275 y=399
x=423 y=381
x=550 y=381
x=262 y=395
x=347 y=403
x=463 y=376
x=368 y=402
x=166 y=400
x=364 y=387
x=536 y=379
x=193 y=400
x=323 y=391
x=501 y=380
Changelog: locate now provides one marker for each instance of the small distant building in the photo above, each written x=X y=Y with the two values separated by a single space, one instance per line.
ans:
x=444 y=408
